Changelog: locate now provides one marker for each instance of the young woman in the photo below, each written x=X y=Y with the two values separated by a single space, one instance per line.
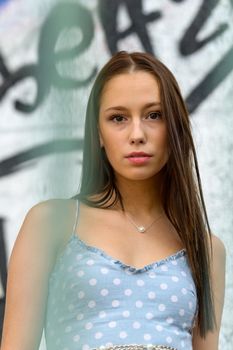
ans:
x=141 y=269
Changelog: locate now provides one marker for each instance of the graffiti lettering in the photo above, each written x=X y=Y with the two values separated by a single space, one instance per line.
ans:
x=189 y=43
x=210 y=81
x=45 y=74
x=108 y=10
x=27 y=158
x=65 y=16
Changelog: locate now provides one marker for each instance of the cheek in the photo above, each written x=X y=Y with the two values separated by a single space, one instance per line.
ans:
x=112 y=151
x=162 y=144
x=161 y=138
x=112 y=140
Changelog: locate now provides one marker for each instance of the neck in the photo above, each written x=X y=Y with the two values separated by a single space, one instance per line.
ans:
x=141 y=198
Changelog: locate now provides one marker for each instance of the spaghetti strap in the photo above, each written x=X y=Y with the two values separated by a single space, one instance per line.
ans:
x=76 y=216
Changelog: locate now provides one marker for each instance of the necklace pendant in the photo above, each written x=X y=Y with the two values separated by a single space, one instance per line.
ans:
x=141 y=229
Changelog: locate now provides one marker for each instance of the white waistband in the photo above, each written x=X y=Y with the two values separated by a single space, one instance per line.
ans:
x=135 y=347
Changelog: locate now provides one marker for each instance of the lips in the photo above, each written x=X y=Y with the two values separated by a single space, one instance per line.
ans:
x=138 y=154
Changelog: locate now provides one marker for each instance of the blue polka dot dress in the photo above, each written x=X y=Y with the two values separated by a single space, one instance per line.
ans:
x=95 y=300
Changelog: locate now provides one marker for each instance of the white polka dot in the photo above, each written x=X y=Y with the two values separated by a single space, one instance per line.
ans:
x=176 y=332
x=182 y=343
x=104 y=270
x=139 y=303
x=123 y=335
x=152 y=274
x=115 y=303
x=126 y=313
x=151 y=295
x=169 y=320
x=81 y=294
x=117 y=281
x=140 y=283
x=147 y=336
x=169 y=340
x=190 y=305
x=102 y=314
x=128 y=292
x=112 y=324
x=184 y=291
x=163 y=286
x=80 y=273
x=159 y=328
x=175 y=279
x=90 y=262
x=149 y=315
x=88 y=325
x=76 y=337
x=79 y=256
x=80 y=317
x=92 y=281
x=183 y=273
x=85 y=347
x=164 y=268
x=174 y=298
x=104 y=292
x=174 y=262
x=184 y=325
x=136 y=325
x=181 y=312
x=72 y=285
x=98 y=335
x=68 y=329
x=161 y=307
x=92 y=303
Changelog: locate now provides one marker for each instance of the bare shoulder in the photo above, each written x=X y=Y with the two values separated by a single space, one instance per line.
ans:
x=219 y=249
x=51 y=220
x=43 y=230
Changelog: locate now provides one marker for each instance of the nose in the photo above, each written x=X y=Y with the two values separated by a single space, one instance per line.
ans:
x=137 y=134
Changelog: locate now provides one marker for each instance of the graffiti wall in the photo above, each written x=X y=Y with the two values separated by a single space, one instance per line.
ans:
x=50 y=52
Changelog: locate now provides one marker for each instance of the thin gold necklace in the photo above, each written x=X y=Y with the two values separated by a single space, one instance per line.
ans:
x=141 y=228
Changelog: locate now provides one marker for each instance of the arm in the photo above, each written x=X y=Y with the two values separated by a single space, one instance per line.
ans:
x=218 y=280
x=30 y=264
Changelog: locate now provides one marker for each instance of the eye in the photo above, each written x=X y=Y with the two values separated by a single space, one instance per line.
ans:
x=155 y=115
x=116 y=118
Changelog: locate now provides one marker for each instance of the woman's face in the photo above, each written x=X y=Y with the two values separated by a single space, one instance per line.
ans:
x=131 y=120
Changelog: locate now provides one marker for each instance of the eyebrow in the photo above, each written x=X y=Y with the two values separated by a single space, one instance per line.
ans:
x=120 y=108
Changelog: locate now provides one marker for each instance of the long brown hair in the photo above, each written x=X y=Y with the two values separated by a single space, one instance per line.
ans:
x=182 y=194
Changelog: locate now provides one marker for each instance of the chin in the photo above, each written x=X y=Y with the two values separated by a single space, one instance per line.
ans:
x=138 y=177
